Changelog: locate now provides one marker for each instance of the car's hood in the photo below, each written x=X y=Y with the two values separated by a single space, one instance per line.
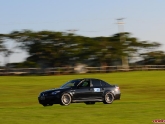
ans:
x=56 y=89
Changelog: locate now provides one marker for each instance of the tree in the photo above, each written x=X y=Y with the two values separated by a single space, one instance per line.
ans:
x=3 y=49
x=111 y=49
x=153 y=58
x=49 y=49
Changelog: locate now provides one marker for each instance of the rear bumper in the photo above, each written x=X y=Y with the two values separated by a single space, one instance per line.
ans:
x=117 y=96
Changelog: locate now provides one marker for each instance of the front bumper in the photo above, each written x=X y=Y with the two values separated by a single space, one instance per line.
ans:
x=54 y=99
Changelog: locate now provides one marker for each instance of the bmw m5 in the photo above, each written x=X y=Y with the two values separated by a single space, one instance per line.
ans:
x=88 y=91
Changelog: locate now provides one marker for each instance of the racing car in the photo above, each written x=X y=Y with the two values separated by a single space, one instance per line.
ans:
x=87 y=90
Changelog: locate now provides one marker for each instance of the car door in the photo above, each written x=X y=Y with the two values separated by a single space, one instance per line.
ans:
x=83 y=91
x=98 y=90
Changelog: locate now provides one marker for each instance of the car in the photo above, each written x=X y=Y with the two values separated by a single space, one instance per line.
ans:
x=87 y=90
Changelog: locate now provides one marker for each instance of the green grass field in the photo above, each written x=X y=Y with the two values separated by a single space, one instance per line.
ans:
x=142 y=100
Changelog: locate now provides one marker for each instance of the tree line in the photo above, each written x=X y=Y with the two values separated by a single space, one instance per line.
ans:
x=55 y=49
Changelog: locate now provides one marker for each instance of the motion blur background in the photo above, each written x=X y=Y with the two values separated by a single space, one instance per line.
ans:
x=46 y=34
x=64 y=37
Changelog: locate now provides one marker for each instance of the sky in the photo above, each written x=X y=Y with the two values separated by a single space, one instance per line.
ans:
x=144 y=19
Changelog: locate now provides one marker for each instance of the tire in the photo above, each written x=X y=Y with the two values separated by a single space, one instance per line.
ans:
x=65 y=99
x=89 y=103
x=108 y=98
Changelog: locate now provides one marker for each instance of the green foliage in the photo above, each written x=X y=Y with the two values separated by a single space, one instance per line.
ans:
x=142 y=100
x=2 y=47
x=49 y=49
x=26 y=64
x=154 y=58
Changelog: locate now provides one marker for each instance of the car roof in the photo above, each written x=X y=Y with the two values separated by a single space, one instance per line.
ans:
x=88 y=79
x=93 y=78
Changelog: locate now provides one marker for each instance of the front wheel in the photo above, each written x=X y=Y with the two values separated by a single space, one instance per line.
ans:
x=65 y=99
x=108 y=98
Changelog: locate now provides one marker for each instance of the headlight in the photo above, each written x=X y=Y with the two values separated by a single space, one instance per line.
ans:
x=41 y=94
x=55 y=92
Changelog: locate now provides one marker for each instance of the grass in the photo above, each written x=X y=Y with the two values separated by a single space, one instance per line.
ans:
x=142 y=100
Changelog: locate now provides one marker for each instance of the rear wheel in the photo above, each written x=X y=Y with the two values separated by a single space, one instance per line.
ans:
x=89 y=103
x=108 y=98
x=65 y=99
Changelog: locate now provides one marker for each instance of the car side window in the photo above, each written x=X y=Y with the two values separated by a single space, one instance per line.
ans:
x=96 y=83
x=103 y=83
x=85 y=84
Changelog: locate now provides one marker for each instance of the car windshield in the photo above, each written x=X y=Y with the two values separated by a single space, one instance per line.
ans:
x=71 y=83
